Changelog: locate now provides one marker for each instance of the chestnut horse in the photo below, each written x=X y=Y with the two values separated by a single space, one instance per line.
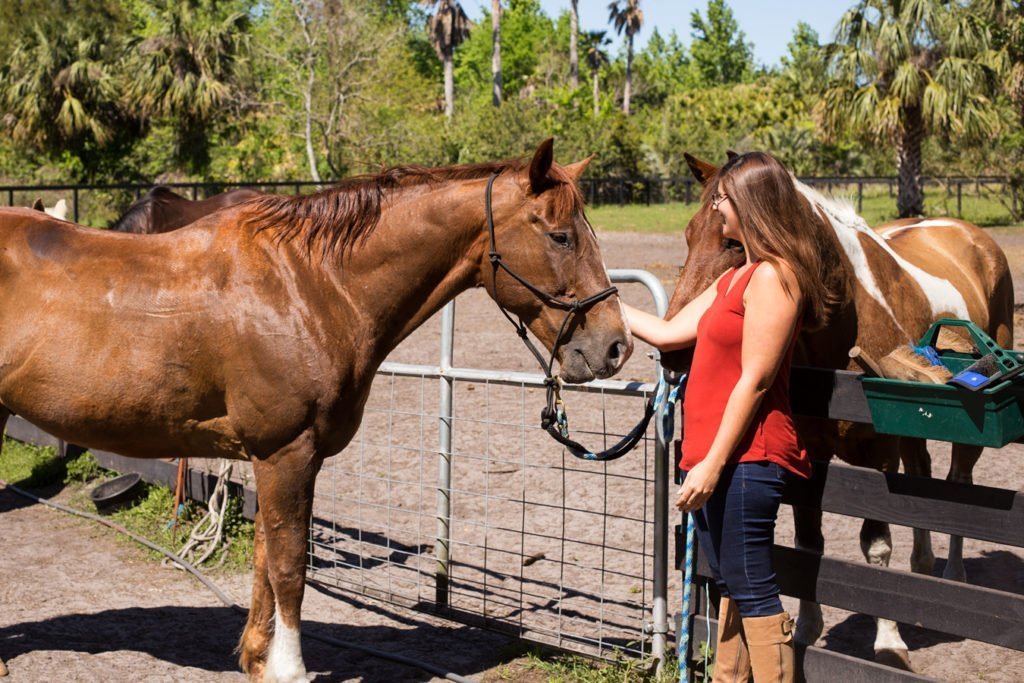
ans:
x=162 y=210
x=898 y=280
x=255 y=333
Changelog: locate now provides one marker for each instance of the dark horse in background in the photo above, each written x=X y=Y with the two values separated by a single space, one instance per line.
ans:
x=898 y=278
x=256 y=332
x=162 y=210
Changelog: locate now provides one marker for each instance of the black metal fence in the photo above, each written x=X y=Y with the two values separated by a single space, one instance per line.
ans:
x=114 y=198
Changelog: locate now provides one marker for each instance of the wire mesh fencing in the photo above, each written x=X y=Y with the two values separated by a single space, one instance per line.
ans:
x=467 y=508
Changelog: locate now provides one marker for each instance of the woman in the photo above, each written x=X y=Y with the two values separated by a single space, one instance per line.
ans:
x=739 y=443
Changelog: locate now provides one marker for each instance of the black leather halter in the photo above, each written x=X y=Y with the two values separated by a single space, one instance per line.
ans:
x=553 y=418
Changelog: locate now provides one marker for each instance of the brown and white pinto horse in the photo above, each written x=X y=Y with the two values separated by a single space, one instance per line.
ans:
x=899 y=279
x=162 y=210
x=255 y=333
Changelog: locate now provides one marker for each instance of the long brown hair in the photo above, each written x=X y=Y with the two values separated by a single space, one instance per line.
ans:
x=780 y=225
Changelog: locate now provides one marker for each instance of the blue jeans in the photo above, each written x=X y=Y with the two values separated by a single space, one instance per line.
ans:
x=736 y=531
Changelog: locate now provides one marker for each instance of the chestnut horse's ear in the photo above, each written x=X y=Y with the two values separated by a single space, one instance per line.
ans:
x=702 y=170
x=575 y=171
x=38 y=205
x=729 y=154
x=540 y=165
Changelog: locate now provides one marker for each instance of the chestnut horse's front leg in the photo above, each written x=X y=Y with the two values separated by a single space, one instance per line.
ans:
x=285 y=483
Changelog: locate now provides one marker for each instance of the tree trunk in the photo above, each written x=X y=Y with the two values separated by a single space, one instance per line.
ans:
x=496 y=53
x=628 y=90
x=574 y=56
x=596 y=93
x=449 y=84
x=910 y=201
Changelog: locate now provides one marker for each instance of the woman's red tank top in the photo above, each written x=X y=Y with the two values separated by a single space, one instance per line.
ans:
x=714 y=372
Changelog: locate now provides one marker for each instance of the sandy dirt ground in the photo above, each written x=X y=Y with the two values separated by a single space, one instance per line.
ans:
x=77 y=604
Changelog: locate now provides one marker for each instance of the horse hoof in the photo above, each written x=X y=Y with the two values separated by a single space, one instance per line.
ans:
x=897 y=659
x=955 y=575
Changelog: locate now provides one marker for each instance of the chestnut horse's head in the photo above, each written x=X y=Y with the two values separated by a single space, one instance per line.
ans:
x=542 y=235
x=709 y=254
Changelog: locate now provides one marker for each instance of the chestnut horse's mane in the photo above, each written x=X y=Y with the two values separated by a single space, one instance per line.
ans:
x=334 y=220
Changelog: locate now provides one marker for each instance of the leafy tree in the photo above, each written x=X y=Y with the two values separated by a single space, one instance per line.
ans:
x=448 y=26
x=626 y=17
x=719 y=50
x=905 y=69
x=60 y=87
x=574 y=56
x=594 y=44
x=527 y=35
x=803 y=68
x=662 y=68
x=496 y=52
x=187 y=70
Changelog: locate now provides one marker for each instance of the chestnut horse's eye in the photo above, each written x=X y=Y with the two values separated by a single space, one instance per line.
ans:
x=732 y=245
x=560 y=238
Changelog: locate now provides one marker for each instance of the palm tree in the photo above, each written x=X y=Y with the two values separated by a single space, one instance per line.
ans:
x=574 y=56
x=61 y=92
x=594 y=43
x=187 y=71
x=903 y=69
x=496 y=52
x=627 y=16
x=448 y=27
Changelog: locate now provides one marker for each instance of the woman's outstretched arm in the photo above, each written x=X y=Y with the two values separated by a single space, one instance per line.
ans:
x=679 y=331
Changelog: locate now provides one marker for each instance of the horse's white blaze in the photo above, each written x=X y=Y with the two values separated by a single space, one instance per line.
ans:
x=888 y=636
x=849 y=227
x=284 y=659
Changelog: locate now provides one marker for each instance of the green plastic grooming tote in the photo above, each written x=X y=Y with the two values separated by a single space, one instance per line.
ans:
x=993 y=416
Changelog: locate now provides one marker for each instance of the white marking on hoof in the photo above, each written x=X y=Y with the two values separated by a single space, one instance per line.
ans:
x=879 y=551
x=809 y=624
x=284 y=661
x=888 y=636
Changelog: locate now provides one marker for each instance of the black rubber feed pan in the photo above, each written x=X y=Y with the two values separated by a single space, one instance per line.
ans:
x=117 y=491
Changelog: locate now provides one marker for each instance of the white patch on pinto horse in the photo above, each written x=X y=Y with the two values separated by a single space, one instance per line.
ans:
x=284 y=658
x=927 y=223
x=848 y=226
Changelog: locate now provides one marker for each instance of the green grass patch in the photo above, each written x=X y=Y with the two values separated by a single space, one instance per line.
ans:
x=550 y=666
x=28 y=466
x=656 y=218
x=34 y=467
x=152 y=518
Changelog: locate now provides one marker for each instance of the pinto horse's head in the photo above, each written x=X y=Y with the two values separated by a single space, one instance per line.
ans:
x=543 y=236
x=709 y=254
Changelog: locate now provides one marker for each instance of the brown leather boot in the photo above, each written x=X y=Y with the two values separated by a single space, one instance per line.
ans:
x=772 y=654
x=732 y=661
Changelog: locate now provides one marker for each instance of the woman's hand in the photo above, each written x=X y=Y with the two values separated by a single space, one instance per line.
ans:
x=698 y=486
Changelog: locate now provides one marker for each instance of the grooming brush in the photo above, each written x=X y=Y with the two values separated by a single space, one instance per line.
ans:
x=905 y=363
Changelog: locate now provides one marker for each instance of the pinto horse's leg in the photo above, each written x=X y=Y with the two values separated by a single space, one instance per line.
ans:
x=918 y=462
x=961 y=471
x=876 y=544
x=285 y=483
x=255 y=640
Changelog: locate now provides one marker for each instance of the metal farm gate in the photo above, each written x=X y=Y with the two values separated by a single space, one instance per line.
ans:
x=451 y=499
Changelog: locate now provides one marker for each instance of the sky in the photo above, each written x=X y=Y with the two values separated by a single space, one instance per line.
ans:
x=767 y=24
